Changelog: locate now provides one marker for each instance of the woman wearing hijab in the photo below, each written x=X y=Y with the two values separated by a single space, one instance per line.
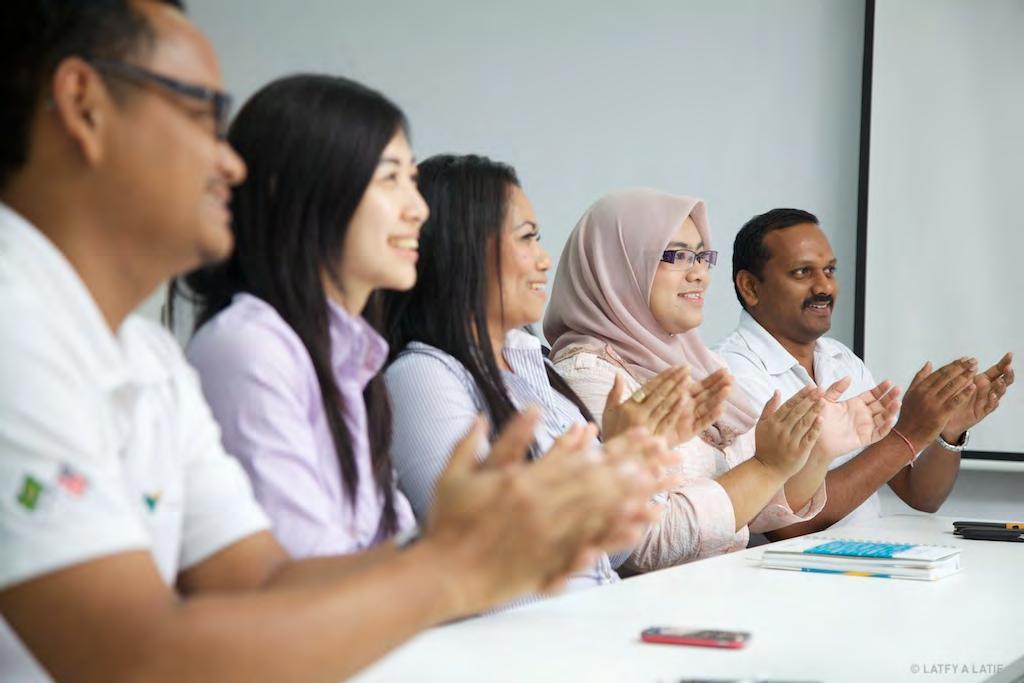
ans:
x=626 y=303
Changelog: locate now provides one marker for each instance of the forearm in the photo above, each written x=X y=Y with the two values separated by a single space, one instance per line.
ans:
x=801 y=487
x=314 y=570
x=319 y=631
x=853 y=483
x=750 y=485
x=927 y=484
x=698 y=522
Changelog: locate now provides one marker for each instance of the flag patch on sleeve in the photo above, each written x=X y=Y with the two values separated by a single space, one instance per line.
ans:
x=30 y=492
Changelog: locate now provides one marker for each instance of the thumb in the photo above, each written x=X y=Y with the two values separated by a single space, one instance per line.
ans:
x=512 y=444
x=615 y=393
x=925 y=370
x=836 y=390
x=772 y=405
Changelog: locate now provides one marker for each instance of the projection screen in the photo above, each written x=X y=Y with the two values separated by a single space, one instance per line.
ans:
x=942 y=232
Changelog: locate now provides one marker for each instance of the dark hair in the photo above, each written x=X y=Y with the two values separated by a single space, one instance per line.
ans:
x=36 y=36
x=748 y=250
x=312 y=144
x=468 y=198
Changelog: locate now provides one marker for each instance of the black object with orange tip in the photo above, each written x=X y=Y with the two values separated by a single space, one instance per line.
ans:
x=990 y=531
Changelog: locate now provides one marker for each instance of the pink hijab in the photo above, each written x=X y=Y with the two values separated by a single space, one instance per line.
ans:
x=601 y=296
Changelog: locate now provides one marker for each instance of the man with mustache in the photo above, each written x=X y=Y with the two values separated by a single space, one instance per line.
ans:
x=784 y=276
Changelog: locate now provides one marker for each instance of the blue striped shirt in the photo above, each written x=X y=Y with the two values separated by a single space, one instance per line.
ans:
x=434 y=402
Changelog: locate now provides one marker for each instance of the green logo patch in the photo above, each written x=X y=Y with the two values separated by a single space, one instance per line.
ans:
x=31 y=489
x=151 y=500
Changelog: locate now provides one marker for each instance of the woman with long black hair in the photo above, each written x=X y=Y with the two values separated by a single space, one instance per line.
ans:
x=328 y=214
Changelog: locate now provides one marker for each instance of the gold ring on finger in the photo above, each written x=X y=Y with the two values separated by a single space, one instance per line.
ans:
x=639 y=395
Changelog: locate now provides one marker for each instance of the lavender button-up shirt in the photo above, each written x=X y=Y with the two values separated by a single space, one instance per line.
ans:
x=261 y=386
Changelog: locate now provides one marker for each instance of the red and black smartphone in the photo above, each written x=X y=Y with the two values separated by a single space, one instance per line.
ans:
x=691 y=636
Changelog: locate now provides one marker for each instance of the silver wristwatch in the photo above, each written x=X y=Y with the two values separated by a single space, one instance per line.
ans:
x=956 y=448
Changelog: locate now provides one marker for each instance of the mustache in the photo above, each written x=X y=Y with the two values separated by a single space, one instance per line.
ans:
x=820 y=299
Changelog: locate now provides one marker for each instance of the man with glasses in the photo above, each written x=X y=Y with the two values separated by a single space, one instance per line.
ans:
x=130 y=544
x=784 y=277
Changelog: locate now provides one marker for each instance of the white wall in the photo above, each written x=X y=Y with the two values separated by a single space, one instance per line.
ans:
x=748 y=104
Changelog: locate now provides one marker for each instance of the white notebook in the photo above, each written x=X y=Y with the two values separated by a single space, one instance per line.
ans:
x=863 y=558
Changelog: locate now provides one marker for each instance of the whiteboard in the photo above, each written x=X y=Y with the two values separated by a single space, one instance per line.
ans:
x=944 y=268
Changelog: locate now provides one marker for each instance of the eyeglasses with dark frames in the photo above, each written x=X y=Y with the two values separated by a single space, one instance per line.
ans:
x=684 y=259
x=220 y=102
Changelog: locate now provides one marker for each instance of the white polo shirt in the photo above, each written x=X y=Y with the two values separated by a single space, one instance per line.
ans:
x=761 y=365
x=106 y=443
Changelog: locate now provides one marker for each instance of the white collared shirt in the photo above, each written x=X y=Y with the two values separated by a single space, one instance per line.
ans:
x=107 y=444
x=761 y=365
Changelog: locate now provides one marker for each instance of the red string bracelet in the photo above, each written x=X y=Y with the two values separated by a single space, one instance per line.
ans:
x=913 y=453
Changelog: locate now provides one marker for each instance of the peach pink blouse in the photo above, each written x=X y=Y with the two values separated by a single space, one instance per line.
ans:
x=698 y=519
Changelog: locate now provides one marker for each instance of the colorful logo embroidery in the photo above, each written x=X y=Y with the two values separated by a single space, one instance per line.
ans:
x=152 y=499
x=72 y=482
x=31 y=490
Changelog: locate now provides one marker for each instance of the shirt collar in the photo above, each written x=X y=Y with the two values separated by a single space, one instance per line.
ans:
x=777 y=360
x=522 y=352
x=523 y=355
x=113 y=360
x=358 y=352
x=521 y=339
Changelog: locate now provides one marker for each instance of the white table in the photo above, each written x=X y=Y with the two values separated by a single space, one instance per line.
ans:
x=815 y=627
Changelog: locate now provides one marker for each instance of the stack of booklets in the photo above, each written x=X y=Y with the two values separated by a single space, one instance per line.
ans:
x=863 y=558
